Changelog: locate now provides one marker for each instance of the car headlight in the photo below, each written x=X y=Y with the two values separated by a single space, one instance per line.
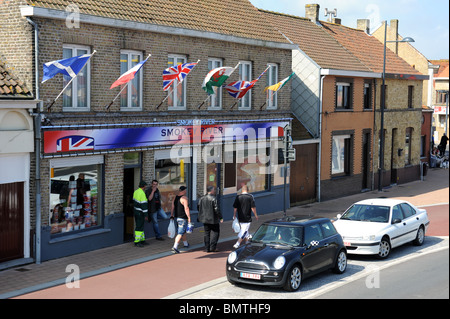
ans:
x=279 y=262
x=371 y=237
x=232 y=257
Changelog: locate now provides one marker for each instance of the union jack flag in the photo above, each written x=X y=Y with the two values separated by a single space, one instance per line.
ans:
x=75 y=143
x=240 y=88
x=178 y=73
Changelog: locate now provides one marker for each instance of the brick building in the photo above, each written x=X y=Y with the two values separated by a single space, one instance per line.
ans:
x=337 y=96
x=83 y=199
x=333 y=96
x=403 y=112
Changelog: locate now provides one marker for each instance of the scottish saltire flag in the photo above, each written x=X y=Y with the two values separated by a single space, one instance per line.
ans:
x=69 y=67
x=129 y=75
x=75 y=143
x=178 y=73
x=240 y=88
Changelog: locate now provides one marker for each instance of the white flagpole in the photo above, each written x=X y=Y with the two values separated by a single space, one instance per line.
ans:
x=168 y=95
x=48 y=108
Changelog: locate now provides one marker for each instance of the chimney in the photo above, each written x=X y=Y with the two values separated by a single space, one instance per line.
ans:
x=392 y=35
x=363 y=24
x=312 y=12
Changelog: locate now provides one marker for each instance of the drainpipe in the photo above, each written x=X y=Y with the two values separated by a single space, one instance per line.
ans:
x=37 y=147
x=319 y=170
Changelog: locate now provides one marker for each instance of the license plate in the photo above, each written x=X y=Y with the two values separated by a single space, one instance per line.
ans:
x=250 y=276
x=346 y=243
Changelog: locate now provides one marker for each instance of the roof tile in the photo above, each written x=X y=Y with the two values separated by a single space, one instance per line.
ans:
x=315 y=42
x=231 y=17
x=10 y=86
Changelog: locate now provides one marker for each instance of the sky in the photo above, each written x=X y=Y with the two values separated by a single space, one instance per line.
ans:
x=427 y=22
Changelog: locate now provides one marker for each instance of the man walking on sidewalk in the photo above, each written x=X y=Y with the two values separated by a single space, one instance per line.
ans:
x=140 y=214
x=180 y=211
x=209 y=214
x=244 y=205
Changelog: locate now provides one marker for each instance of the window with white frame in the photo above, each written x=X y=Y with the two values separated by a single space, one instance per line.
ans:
x=272 y=79
x=245 y=74
x=77 y=95
x=215 y=102
x=177 y=93
x=131 y=96
x=341 y=155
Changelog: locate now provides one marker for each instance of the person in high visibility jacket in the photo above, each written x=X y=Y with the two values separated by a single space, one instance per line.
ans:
x=140 y=214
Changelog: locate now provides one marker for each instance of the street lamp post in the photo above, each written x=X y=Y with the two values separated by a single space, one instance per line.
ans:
x=383 y=105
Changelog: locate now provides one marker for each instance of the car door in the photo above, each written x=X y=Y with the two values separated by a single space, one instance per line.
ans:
x=316 y=255
x=397 y=230
x=411 y=222
x=330 y=241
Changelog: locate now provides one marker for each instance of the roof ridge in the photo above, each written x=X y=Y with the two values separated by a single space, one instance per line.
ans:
x=283 y=14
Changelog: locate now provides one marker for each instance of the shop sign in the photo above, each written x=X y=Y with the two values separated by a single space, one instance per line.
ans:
x=104 y=139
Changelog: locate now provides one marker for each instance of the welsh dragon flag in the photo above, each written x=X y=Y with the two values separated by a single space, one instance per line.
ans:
x=216 y=77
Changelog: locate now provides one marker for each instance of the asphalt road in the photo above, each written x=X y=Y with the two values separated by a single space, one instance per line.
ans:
x=198 y=275
x=425 y=278
x=360 y=268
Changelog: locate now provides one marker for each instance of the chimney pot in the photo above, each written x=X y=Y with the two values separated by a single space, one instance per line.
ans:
x=337 y=20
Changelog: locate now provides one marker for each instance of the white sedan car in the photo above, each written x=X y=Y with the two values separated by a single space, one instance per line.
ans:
x=375 y=226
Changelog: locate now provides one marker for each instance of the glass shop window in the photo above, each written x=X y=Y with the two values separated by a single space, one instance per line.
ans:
x=171 y=174
x=75 y=198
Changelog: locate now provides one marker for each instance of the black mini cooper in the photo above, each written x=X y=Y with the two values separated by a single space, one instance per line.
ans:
x=284 y=251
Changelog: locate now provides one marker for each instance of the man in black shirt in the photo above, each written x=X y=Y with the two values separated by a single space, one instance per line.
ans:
x=244 y=205
x=180 y=211
x=154 y=207
x=209 y=214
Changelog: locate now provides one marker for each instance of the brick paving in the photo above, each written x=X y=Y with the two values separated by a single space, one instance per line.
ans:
x=24 y=279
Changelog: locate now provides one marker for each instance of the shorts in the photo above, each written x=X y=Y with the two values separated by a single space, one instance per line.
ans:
x=182 y=226
x=243 y=234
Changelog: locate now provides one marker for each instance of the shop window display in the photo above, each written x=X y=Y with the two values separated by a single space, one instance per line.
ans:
x=170 y=176
x=75 y=198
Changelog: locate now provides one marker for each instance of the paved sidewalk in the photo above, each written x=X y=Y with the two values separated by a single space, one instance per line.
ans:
x=32 y=277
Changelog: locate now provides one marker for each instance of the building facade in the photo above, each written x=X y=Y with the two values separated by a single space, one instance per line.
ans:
x=16 y=151
x=94 y=153
x=333 y=96
x=403 y=105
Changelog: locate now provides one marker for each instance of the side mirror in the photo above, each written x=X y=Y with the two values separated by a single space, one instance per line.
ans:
x=396 y=221
x=338 y=216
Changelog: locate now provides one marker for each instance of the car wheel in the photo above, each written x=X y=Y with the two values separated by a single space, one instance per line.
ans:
x=294 y=279
x=420 y=238
x=385 y=248
x=341 y=263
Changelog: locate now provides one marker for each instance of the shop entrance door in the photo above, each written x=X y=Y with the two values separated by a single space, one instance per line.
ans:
x=212 y=178
x=131 y=178
x=11 y=221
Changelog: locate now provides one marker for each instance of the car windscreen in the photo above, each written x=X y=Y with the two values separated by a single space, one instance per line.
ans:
x=367 y=213
x=279 y=234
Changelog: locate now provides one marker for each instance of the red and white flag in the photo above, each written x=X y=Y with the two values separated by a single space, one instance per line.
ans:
x=129 y=75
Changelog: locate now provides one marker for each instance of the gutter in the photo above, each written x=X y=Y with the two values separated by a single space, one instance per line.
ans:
x=37 y=147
